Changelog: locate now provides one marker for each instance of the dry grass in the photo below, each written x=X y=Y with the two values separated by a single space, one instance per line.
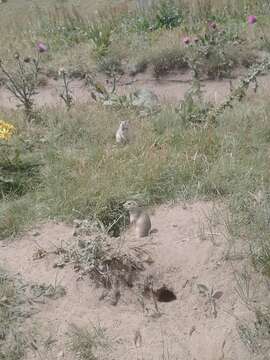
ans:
x=12 y=341
x=85 y=343
x=67 y=31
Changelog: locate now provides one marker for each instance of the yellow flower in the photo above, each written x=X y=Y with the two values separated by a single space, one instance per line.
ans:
x=6 y=130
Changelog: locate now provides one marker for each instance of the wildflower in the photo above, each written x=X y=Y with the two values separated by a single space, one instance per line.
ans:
x=41 y=47
x=186 y=40
x=6 y=130
x=251 y=19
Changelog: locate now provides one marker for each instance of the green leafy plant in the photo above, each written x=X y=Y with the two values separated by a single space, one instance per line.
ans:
x=212 y=52
x=167 y=15
x=193 y=108
x=100 y=35
x=211 y=297
x=17 y=174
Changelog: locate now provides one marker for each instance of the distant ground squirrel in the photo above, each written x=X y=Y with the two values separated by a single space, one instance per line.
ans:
x=122 y=134
x=139 y=218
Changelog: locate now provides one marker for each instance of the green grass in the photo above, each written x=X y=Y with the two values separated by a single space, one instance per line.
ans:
x=12 y=342
x=79 y=39
x=84 y=172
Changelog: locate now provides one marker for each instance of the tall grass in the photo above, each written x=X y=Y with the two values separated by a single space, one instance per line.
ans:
x=12 y=341
x=170 y=157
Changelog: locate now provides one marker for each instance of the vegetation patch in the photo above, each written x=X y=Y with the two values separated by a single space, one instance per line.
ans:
x=85 y=343
x=12 y=315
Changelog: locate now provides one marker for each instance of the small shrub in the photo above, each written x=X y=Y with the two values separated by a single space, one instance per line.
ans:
x=193 y=110
x=15 y=214
x=100 y=35
x=167 y=15
x=139 y=23
x=110 y=65
x=113 y=217
x=18 y=174
x=23 y=81
x=168 y=60
x=214 y=53
x=18 y=178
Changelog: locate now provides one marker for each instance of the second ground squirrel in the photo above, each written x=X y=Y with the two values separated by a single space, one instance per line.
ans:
x=139 y=218
x=122 y=134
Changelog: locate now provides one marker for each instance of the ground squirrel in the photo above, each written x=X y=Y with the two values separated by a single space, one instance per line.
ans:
x=122 y=134
x=139 y=218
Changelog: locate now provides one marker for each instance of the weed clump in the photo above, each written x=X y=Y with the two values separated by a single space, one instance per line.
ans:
x=19 y=173
x=104 y=259
x=23 y=81
x=12 y=340
x=84 y=342
x=168 y=60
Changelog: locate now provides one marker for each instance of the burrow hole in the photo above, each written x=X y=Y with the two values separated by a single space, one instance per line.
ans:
x=163 y=294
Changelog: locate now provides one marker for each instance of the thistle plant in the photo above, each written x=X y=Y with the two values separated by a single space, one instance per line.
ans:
x=199 y=111
x=206 y=53
x=23 y=81
x=239 y=92
x=66 y=95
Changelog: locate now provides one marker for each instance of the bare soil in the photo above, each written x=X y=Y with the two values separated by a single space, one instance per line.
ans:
x=169 y=89
x=186 y=253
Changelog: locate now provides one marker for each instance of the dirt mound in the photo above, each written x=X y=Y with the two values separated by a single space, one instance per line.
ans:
x=186 y=320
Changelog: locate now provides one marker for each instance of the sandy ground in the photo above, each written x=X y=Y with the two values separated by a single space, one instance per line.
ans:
x=169 y=89
x=186 y=252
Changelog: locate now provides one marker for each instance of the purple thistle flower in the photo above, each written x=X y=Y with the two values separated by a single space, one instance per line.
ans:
x=251 y=19
x=186 y=40
x=41 y=47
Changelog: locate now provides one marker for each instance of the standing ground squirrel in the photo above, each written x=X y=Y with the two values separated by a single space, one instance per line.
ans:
x=122 y=134
x=139 y=218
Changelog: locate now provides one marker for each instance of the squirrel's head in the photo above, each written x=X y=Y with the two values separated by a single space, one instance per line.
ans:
x=124 y=125
x=131 y=205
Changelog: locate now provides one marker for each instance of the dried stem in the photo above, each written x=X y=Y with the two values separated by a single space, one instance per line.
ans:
x=66 y=94
x=23 y=82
